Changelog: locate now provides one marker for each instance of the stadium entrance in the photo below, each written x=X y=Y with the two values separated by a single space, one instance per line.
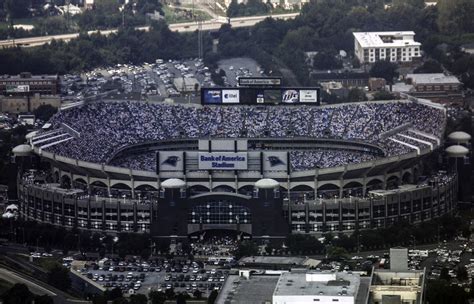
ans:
x=213 y=235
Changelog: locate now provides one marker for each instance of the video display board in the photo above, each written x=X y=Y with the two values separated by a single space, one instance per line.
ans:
x=263 y=96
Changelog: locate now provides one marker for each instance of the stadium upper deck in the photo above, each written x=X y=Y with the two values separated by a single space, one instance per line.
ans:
x=96 y=131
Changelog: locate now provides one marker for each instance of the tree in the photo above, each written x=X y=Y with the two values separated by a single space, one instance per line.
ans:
x=138 y=299
x=45 y=112
x=455 y=16
x=212 y=297
x=326 y=61
x=356 y=95
x=444 y=275
x=157 y=297
x=384 y=69
x=181 y=299
x=58 y=276
x=44 y=299
x=441 y=292
x=462 y=274
x=17 y=8
x=197 y=294
x=334 y=252
x=429 y=66
x=18 y=294
x=246 y=248
x=383 y=95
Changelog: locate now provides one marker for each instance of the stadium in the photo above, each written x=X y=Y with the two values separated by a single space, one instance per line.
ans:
x=260 y=171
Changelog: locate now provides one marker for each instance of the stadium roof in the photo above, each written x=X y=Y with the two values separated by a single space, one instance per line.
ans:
x=457 y=151
x=30 y=135
x=459 y=136
x=267 y=183
x=173 y=183
x=22 y=150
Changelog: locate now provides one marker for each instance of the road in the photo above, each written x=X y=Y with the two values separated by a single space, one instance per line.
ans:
x=14 y=278
x=178 y=27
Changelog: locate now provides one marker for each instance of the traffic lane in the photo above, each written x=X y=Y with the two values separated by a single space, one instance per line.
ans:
x=12 y=277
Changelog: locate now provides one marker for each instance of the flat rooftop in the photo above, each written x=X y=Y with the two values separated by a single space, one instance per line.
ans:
x=28 y=77
x=338 y=284
x=296 y=261
x=256 y=290
x=386 y=39
x=432 y=78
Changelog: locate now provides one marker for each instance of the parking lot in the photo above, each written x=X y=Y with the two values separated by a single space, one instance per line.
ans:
x=129 y=81
x=239 y=67
x=142 y=277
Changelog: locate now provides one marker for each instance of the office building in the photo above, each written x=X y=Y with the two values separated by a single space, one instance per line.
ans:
x=371 y=47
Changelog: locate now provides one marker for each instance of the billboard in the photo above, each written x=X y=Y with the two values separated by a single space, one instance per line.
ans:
x=259 y=81
x=17 y=88
x=222 y=160
x=309 y=96
x=170 y=161
x=275 y=161
x=290 y=96
x=230 y=96
x=266 y=96
x=211 y=96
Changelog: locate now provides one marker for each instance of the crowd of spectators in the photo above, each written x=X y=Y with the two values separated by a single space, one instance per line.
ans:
x=105 y=127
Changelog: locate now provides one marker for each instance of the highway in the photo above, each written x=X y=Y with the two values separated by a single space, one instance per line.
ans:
x=178 y=27
x=14 y=278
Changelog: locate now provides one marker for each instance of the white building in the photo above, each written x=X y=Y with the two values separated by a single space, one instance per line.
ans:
x=297 y=287
x=370 y=47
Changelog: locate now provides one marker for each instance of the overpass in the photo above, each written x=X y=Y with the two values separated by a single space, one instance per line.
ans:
x=210 y=25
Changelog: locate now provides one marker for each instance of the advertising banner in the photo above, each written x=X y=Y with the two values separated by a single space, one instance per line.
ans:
x=230 y=96
x=222 y=161
x=212 y=96
x=17 y=88
x=290 y=96
x=308 y=96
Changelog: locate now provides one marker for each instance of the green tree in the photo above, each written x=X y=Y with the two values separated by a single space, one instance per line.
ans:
x=444 y=275
x=441 y=292
x=138 y=299
x=461 y=273
x=246 y=248
x=45 y=112
x=334 y=252
x=17 y=294
x=356 y=95
x=181 y=299
x=455 y=16
x=326 y=61
x=58 y=276
x=212 y=297
x=157 y=297
x=197 y=294
x=384 y=69
x=430 y=66
x=44 y=299
x=17 y=8
x=383 y=95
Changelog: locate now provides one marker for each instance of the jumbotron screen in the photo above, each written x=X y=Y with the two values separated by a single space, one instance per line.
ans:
x=260 y=96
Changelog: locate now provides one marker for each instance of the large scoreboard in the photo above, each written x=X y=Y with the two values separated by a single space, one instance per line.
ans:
x=260 y=96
